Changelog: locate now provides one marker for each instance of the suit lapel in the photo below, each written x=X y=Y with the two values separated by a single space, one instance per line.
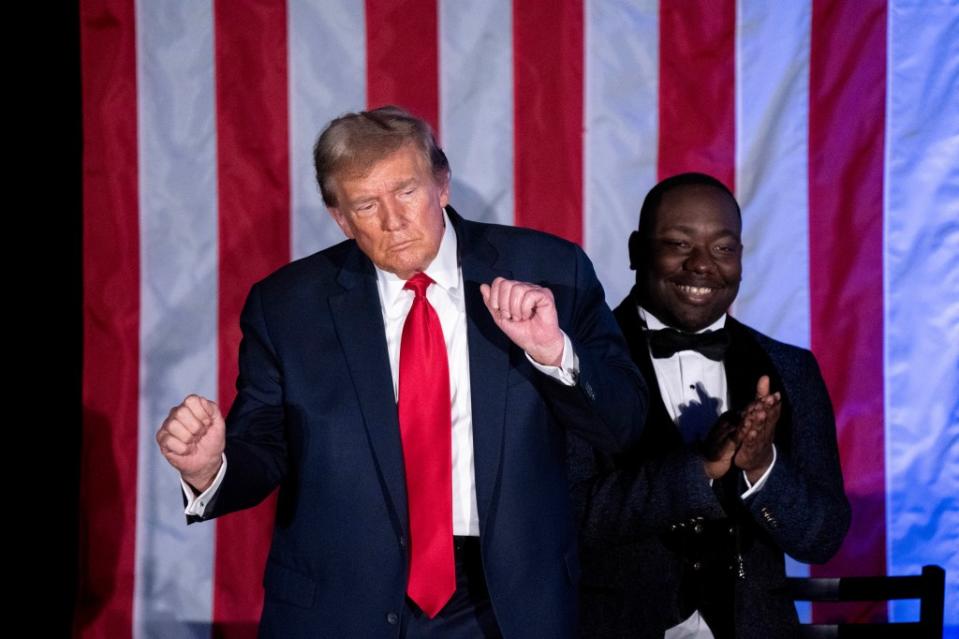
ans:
x=358 y=318
x=489 y=352
x=661 y=432
x=745 y=363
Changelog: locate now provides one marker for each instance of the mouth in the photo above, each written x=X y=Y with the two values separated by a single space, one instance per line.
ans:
x=401 y=246
x=695 y=294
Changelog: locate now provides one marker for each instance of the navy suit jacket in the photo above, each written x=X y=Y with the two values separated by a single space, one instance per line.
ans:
x=639 y=510
x=315 y=414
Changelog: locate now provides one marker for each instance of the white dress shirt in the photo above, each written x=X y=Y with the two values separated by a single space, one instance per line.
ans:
x=447 y=299
x=695 y=393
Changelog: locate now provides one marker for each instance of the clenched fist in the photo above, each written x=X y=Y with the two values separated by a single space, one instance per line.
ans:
x=527 y=314
x=192 y=439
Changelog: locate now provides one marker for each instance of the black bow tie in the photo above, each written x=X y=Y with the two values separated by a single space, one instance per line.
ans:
x=668 y=341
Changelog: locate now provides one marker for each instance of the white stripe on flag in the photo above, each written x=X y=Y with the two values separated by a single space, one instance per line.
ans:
x=476 y=105
x=772 y=116
x=922 y=297
x=327 y=51
x=621 y=125
x=178 y=294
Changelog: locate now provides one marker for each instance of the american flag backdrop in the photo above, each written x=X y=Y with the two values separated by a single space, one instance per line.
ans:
x=836 y=122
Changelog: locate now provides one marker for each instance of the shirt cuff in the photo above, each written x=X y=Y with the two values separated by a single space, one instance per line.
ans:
x=568 y=369
x=752 y=489
x=196 y=504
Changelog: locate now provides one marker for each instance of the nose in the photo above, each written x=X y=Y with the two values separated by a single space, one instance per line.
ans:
x=391 y=216
x=699 y=261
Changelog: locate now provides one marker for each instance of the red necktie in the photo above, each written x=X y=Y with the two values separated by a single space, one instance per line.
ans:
x=424 y=410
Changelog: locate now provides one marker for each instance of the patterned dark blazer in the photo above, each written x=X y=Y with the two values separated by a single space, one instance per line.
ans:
x=659 y=542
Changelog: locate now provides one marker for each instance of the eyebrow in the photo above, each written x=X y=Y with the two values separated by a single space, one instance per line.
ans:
x=399 y=186
x=682 y=228
x=404 y=184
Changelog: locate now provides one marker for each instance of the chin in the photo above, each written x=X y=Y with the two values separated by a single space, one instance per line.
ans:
x=406 y=268
x=685 y=319
x=693 y=324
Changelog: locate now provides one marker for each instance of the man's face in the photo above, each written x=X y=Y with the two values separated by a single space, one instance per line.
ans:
x=394 y=212
x=691 y=265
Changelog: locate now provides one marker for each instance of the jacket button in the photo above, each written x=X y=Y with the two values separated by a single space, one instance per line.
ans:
x=392 y=618
x=402 y=541
x=697 y=565
x=698 y=528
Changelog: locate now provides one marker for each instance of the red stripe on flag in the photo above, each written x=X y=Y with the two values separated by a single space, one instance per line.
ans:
x=847 y=88
x=697 y=88
x=111 y=319
x=402 y=57
x=254 y=229
x=548 y=116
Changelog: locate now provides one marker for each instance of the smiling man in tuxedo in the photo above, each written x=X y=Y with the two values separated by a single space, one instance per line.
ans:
x=410 y=391
x=684 y=535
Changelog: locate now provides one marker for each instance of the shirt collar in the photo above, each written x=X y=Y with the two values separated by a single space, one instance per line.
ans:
x=443 y=270
x=654 y=324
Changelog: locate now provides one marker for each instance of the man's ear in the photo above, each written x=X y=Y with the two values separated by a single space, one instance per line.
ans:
x=341 y=221
x=445 y=192
x=635 y=250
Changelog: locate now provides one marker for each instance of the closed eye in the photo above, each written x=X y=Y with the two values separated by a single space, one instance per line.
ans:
x=364 y=208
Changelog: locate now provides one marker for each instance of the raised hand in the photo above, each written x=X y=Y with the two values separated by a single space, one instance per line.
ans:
x=720 y=445
x=192 y=439
x=527 y=314
x=755 y=452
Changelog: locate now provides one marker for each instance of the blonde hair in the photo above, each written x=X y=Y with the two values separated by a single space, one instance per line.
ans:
x=354 y=142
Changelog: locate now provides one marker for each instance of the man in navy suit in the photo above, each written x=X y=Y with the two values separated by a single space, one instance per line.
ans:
x=684 y=535
x=410 y=391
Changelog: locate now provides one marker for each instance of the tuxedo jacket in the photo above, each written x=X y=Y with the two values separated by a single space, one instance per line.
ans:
x=659 y=541
x=315 y=414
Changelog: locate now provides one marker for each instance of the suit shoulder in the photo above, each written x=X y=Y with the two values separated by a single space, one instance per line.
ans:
x=311 y=273
x=530 y=253
x=782 y=354
x=519 y=235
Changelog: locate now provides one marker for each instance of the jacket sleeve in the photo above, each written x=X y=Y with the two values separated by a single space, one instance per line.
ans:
x=255 y=441
x=607 y=404
x=803 y=505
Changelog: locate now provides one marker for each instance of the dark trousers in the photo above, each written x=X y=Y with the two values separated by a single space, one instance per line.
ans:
x=468 y=614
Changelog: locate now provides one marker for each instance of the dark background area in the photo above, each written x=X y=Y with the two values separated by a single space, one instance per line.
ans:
x=44 y=304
